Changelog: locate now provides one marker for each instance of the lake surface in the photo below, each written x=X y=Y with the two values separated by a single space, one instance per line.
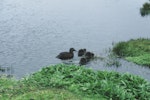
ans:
x=33 y=32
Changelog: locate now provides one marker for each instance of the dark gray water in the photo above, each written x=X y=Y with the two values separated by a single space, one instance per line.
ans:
x=33 y=32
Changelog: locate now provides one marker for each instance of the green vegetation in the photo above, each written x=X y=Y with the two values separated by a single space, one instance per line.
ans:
x=11 y=89
x=137 y=51
x=71 y=82
x=112 y=60
x=52 y=94
x=145 y=10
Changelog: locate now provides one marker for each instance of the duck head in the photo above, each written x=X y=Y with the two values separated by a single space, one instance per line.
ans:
x=81 y=52
x=71 y=50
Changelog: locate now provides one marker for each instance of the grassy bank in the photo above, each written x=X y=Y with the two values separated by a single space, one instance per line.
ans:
x=14 y=90
x=70 y=82
x=137 y=51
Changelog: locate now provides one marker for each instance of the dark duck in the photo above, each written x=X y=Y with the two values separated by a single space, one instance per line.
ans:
x=89 y=55
x=81 y=52
x=83 y=61
x=66 y=55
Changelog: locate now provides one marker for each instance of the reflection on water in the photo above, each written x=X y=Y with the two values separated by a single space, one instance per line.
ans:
x=33 y=32
x=6 y=71
x=126 y=67
x=145 y=10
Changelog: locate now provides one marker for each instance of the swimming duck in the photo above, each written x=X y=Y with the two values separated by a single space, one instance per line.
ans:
x=66 y=55
x=89 y=55
x=81 y=52
x=83 y=61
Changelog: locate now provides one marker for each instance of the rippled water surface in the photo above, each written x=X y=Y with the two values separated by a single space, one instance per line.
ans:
x=33 y=32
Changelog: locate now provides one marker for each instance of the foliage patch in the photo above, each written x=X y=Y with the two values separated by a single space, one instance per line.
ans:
x=86 y=81
x=137 y=51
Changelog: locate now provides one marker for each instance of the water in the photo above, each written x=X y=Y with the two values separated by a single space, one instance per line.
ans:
x=33 y=32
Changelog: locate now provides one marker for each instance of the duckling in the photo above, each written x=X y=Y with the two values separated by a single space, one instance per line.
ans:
x=66 y=55
x=81 y=52
x=83 y=61
x=89 y=55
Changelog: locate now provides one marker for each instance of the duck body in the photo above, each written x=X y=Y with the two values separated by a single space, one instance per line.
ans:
x=83 y=61
x=81 y=52
x=66 y=55
x=89 y=55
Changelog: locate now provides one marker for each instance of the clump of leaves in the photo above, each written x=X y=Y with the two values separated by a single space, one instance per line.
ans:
x=141 y=60
x=86 y=81
x=137 y=50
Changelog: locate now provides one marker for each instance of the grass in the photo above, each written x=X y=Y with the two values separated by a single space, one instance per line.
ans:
x=141 y=60
x=135 y=50
x=52 y=94
x=71 y=82
x=6 y=85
